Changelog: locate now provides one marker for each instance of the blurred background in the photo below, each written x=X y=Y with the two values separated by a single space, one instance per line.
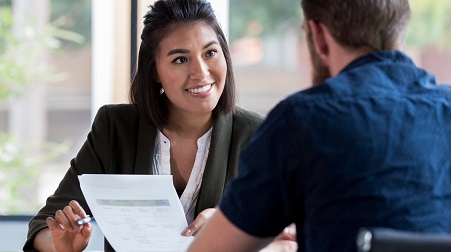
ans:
x=61 y=60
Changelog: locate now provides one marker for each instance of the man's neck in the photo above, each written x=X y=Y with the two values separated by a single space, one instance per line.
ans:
x=343 y=56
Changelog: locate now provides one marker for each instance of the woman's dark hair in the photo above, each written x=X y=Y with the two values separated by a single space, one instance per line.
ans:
x=158 y=22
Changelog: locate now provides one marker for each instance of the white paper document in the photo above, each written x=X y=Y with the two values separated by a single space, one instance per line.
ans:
x=137 y=212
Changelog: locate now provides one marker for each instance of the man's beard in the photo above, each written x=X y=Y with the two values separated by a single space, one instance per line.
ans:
x=320 y=72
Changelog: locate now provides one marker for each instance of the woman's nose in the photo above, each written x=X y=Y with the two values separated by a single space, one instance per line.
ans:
x=199 y=69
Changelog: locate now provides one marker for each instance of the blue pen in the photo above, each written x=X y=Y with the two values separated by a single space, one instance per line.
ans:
x=84 y=220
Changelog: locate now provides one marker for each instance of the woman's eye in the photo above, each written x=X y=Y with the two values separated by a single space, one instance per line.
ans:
x=179 y=60
x=211 y=53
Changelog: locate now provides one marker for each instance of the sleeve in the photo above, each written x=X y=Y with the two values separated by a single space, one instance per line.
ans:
x=261 y=200
x=92 y=158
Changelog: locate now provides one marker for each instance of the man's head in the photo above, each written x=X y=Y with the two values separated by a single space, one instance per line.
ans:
x=378 y=24
x=373 y=25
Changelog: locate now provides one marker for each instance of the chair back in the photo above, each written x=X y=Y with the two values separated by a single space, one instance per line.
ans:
x=379 y=239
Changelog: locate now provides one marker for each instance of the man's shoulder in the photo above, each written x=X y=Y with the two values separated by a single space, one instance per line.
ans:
x=304 y=99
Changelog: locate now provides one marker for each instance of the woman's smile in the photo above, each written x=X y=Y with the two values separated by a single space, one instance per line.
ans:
x=201 y=90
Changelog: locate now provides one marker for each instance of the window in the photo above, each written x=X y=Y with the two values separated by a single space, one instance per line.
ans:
x=42 y=129
x=45 y=96
x=268 y=54
x=271 y=59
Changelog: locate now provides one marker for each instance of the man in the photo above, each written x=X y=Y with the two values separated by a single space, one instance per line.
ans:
x=368 y=145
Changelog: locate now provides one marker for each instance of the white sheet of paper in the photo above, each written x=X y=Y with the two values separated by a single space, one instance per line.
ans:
x=137 y=212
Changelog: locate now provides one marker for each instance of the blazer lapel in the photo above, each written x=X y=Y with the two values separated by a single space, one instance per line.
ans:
x=214 y=176
x=145 y=147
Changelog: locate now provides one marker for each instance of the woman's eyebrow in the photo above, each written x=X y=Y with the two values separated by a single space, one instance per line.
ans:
x=213 y=42
x=174 y=51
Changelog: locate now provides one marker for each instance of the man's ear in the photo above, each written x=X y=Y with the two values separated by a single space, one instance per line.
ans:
x=319 y=40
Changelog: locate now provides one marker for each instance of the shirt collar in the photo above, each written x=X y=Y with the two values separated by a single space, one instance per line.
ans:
x=395 y=56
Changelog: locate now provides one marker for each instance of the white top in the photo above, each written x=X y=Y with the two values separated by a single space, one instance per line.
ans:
x=162 y=166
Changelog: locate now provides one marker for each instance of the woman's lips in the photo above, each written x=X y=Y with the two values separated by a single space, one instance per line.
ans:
x=200 y=90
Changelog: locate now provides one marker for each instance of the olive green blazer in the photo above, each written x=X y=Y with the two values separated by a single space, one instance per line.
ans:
x=121 y=142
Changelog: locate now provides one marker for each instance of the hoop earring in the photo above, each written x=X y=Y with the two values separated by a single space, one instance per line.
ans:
x=161 y=90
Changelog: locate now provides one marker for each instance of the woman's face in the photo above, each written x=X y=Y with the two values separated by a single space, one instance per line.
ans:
x=192 y=69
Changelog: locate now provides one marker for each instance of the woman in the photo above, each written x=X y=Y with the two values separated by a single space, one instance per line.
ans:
x=182 y=121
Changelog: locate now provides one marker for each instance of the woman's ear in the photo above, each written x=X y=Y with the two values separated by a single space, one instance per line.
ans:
x=319 y=39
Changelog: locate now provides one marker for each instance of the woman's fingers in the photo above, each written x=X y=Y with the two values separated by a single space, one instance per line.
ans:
x=289 y=233
x=63 y=220
x=281 y=246
x=192 y=228
x=77 y=208
x=198 y=222
x=68 y=217
x=52 y=224
x=86 y=230
x=67 y=235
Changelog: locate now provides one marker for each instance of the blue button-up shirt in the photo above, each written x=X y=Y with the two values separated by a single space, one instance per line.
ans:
x=369 y=147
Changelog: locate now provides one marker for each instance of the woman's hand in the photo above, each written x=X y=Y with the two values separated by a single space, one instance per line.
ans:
x=289 y=233
x=281 y=246
x=198 y=222
x=284 y=242
x=66 y=233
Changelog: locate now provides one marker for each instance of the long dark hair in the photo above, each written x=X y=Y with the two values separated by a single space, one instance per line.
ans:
x=159 y=20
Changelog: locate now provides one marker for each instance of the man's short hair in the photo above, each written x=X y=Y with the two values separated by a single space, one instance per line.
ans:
x=378 y=24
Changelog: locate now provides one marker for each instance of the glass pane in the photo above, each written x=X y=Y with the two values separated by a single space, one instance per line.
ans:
x=271 y=58
x=429 y=35
x=45 y=96
x=269 y=54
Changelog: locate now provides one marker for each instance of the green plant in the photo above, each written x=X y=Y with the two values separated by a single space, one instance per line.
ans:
x=19 y=171
x=260 y=18
x=20 y=67
x=20 y=55
x=430 y=23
